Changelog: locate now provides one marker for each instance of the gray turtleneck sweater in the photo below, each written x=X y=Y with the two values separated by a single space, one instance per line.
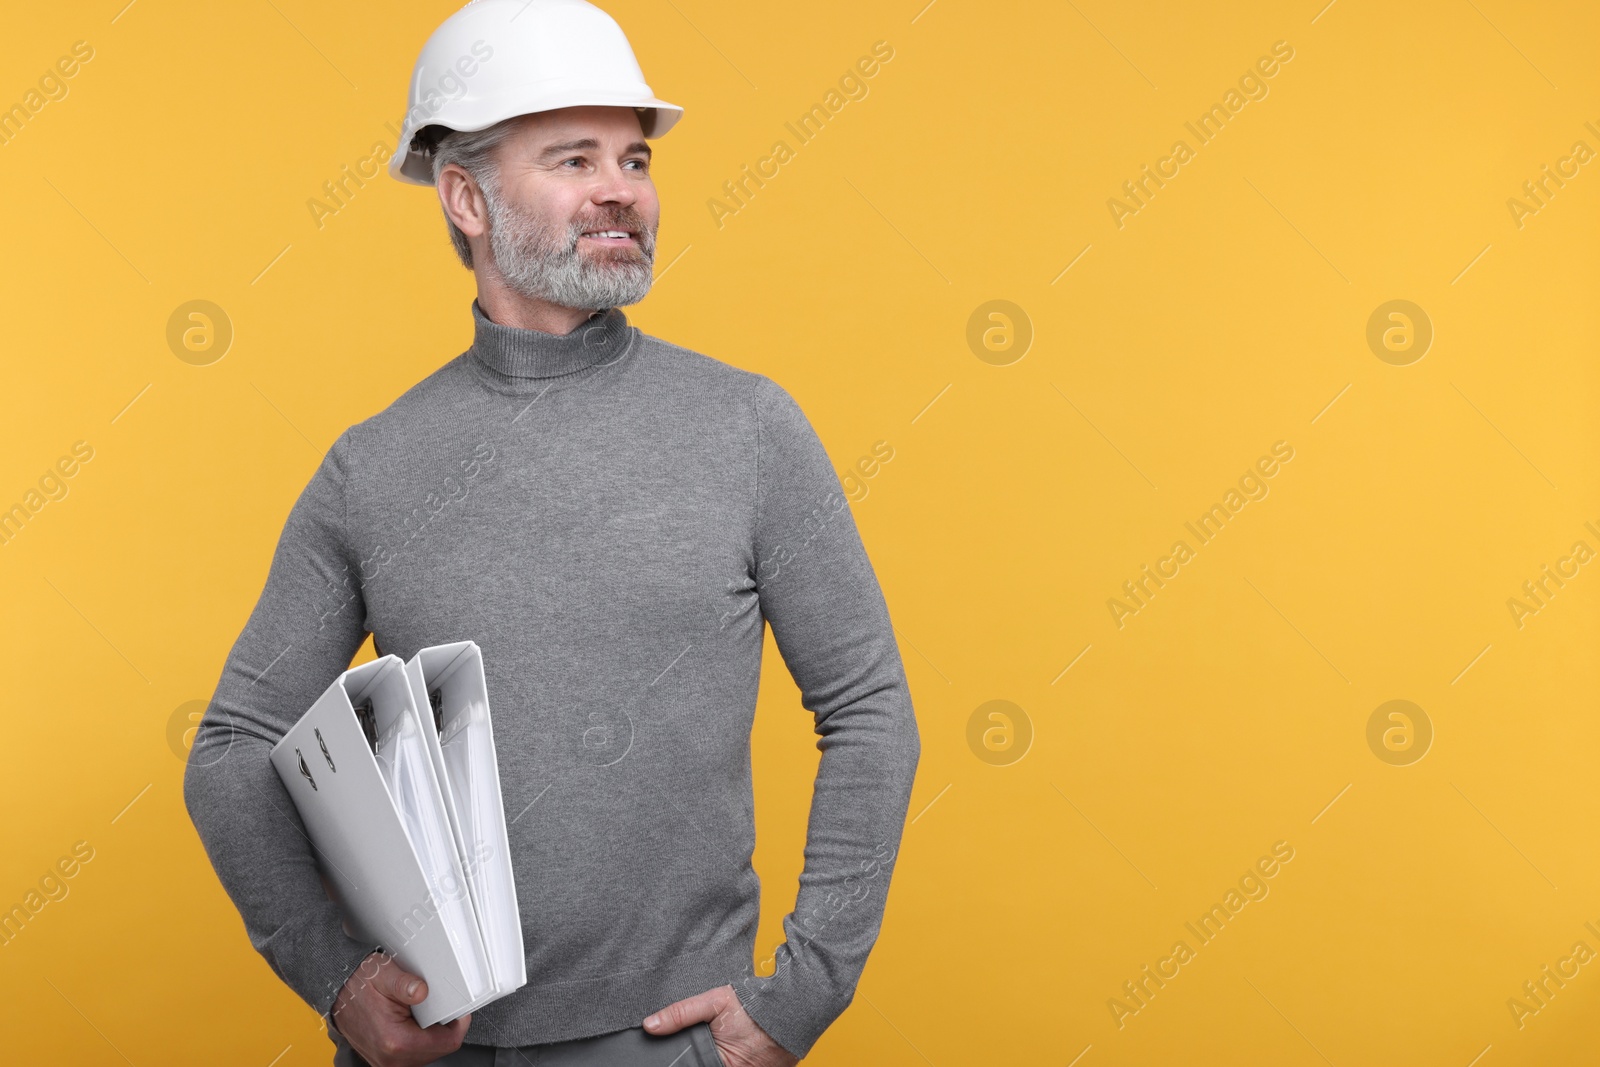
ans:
x=614 y=520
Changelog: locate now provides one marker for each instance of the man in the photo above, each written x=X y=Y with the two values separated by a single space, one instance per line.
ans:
x=614 y=520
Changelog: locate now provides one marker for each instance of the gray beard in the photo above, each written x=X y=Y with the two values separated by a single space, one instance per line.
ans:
x=544 y=262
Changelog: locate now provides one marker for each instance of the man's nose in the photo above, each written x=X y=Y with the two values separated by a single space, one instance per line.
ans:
x=614 y=187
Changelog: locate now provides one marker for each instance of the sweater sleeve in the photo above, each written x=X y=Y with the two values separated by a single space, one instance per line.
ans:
x=306 y=627
x=819 y=593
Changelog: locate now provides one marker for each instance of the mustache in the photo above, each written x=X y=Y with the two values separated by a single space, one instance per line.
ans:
x=622 y=219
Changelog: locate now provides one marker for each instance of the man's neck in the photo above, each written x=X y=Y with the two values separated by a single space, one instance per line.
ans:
x=507 y=307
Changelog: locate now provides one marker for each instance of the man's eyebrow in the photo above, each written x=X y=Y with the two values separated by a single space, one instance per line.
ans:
x=588 y=143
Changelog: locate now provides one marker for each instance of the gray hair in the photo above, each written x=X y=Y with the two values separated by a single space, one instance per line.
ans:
x=473 y=151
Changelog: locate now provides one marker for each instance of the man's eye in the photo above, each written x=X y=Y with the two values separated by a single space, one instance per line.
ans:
x=574 y=159
x=640 y=164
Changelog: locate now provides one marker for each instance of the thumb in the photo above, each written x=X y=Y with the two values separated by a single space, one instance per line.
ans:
x=674 y=1017
x=396 y=983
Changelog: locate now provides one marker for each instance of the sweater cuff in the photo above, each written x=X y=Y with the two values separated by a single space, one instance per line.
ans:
x=315 y=957
x=788 y=1008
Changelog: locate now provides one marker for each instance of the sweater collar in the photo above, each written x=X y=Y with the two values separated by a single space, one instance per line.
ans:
x=521 y=353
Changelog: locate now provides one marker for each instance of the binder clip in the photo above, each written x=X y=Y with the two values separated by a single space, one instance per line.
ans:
x=325 y=755
x=305 y=772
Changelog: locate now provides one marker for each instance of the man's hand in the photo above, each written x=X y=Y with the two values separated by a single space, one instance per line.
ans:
x=373 y=1012
x=740 y=1041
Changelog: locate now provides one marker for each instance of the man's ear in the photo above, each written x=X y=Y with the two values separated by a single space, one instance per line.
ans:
x=463 y=201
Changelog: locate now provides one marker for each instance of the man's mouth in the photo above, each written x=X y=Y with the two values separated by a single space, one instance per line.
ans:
x=610 y=237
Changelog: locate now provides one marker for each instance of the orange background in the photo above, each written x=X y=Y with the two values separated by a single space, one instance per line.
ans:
x=1051 y=855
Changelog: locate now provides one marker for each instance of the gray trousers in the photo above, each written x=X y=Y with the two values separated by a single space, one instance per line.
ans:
x=689 y=1047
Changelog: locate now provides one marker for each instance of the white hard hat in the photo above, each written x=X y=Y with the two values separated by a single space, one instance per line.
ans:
x=495 y=59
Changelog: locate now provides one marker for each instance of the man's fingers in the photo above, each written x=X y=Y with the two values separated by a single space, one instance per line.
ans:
x=406 y=1042
x=444 y=1038
x=700 y=1008
x=396 y=983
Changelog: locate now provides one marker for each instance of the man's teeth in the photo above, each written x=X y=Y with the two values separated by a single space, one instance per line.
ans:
x=609 y=233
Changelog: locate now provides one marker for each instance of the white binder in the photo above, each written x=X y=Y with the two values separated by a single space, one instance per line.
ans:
x=449 y=681
x=410 y=833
